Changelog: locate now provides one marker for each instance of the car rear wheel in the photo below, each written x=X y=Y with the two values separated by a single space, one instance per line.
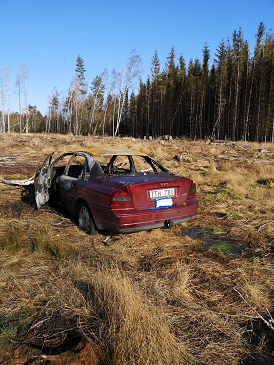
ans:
x=85 y=220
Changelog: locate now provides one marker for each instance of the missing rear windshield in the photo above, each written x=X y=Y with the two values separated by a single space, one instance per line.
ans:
x=130 y=165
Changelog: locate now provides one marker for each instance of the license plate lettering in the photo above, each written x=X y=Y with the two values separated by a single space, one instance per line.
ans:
x=162 y=193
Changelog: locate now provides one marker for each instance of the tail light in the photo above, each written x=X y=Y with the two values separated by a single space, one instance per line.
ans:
x=120 y=199
x=192 y=191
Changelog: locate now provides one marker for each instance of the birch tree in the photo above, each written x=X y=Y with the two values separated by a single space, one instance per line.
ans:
x=3 y=110
x=25 y=76
x=130 y=72
x=7 y=93
x=55 y=104
x=96 y=99
x=18 y=82
x=109 y=98
x=48 y=120
x=68 y=106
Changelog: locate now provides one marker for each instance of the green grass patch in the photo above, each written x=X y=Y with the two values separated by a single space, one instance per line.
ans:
x=233 y=216
x=14 y=240
x=42 y=242
x=220 y=193
x=8 y=328
x=5 y=333
x=204 y=173
x=215 y=230
x=223 y=247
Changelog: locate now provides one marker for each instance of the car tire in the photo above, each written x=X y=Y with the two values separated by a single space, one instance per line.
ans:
x=85 y=220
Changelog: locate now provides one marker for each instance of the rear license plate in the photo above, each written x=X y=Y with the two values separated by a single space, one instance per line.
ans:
x=162 y=193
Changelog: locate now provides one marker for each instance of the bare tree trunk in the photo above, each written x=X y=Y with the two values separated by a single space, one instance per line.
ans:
x=3 y=110
x=26 y=102
x=70 y=107
x=7 y=90
x=113 y=116
x=220 y=107
x=248 y=106
x=191 y=114
x=121 y=93
x=236 y=105
x=105 y=113
x=47 y=120
x=18 y=91
x=130 y=72
x=259 y=112
x=76 y=111
x=273 y=129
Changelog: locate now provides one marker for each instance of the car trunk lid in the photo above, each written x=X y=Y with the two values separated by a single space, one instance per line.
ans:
x=156 y=191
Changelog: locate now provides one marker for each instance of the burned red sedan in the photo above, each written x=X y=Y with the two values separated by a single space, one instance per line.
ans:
x=118 y=191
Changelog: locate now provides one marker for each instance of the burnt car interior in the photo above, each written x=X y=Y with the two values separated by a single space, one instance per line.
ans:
x=75 y=166
x=71 y=165
x=131 y=165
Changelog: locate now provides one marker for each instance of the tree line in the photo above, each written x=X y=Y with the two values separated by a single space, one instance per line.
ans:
x=18 y=121
x=233 y=98
x=228 y=97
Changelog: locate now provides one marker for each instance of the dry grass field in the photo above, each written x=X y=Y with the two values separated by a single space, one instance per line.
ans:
x=198 y=293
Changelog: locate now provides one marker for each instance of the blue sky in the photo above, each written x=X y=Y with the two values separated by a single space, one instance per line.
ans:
x=48 y=35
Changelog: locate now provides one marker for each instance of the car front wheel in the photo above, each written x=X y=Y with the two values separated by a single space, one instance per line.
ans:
x=85 y=220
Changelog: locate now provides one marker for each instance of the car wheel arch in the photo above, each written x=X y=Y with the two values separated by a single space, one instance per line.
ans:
x=80 y=204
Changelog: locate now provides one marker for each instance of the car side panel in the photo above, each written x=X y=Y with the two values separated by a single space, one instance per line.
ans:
x=94 y=192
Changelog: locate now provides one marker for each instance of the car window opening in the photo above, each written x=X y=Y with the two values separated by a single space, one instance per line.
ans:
x=131 y=165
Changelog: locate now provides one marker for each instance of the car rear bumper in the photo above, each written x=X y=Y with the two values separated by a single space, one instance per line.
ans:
x=134 y=221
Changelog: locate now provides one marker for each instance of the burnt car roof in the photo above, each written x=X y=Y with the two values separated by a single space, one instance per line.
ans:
x=105 y=152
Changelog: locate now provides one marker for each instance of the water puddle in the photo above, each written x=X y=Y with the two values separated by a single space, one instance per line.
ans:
x=216 y=241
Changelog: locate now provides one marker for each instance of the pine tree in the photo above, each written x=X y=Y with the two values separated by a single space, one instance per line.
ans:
x=55 y=109
x=171 y=72
x=258 y=78
x=221 y=68
x=155 y=91
x=269 y=94
x=96 y=100
x=132 y=115
x=204 y=89
x=237 y=68
x=191 y=90
x=182 y=92
x=79 y=80
x=125 y=116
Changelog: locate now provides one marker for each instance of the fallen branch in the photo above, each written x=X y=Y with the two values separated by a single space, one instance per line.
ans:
x=262 y=225
x=159 y=158
x=27 y=182
x=243 y=225
x=269 y=323
x=240 y=224
x=121 y=164
x=57 y=224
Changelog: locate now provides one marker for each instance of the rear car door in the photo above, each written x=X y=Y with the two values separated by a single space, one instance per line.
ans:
x=75 y=171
